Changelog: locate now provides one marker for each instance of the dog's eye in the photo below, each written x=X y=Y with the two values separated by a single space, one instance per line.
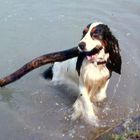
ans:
x=96 y=34
x=93 y=35
x=97 y=31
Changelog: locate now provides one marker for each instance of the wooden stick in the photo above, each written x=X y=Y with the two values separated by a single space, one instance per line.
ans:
x=37 y=62
x=42 y=60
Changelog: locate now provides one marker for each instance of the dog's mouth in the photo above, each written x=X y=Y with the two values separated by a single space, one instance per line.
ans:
x=92 y=57
x=93 y=54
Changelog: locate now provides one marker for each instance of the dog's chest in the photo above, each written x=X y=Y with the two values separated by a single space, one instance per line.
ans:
x=94 y=71
x=94 y=76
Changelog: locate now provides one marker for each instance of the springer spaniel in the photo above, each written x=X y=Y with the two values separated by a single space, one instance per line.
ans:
x=91 y=73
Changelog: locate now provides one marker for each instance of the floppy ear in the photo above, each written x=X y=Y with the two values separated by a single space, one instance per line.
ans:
x=80 y=57
x=114 y=62
x=104 y=34
x=79 y=62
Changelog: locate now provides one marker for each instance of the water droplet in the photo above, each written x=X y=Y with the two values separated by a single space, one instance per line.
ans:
x=82 y=126
x=31 y=18
x=128 y=34
x=71 y=135
x=63 y=135
x=127 y=62
x=41 y=102
x=83 y=137
x=112 y=120
x=38 y=127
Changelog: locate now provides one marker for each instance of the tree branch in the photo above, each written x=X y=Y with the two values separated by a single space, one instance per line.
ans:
x=42 y=60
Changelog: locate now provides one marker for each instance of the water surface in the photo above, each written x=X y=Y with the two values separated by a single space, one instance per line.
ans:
x=33 y=108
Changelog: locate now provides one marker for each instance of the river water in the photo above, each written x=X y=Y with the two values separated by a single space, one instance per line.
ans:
x=34 y=109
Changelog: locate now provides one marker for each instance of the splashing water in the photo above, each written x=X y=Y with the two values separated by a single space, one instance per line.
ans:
x=115 y=90
x=108 y=107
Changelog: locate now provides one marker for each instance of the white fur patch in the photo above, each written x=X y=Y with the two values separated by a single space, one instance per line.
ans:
x=90 y=44
x=92 y=82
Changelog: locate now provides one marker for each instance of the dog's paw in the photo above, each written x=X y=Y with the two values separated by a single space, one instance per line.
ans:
x=77 y=110
x=101 y=96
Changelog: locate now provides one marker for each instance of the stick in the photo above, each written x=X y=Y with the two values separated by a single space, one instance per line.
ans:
x=42 y=60
x=37 y=62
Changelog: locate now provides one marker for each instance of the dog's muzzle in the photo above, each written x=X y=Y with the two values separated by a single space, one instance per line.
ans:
x=93 y=51
x=92 y=55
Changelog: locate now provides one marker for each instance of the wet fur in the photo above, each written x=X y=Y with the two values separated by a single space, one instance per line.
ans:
x=90 y=78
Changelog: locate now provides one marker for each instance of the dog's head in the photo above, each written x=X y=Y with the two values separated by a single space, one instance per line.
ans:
x=99 y=34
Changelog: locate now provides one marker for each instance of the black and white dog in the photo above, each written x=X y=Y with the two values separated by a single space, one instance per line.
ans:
x=90 y=74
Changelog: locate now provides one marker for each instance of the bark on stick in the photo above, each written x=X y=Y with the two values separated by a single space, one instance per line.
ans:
x=42 y=60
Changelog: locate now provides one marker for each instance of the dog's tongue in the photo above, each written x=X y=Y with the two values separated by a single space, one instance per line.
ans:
x=92 y=57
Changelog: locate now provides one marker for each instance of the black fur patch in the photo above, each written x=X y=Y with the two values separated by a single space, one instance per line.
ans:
x=82 y=55
x=48 y=74
x=79 y=62
x=103 y=33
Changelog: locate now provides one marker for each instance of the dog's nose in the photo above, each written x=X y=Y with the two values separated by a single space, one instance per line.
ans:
x=82 y=45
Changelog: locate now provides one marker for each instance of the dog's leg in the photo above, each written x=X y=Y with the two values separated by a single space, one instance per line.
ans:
x=88 y=107
x=84 y=107
x=102 y=94
x=77 y=109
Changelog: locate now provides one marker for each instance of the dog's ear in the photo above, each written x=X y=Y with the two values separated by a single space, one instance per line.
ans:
x=86 y=30
x=114 y=62
x=80 y=57
x=103 y=33
x=79 y=62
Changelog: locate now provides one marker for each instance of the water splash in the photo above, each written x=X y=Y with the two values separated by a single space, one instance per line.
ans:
x=108 y=107
x=115 y=90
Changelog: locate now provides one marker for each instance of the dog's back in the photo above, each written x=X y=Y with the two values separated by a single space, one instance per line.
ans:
x=64 y=72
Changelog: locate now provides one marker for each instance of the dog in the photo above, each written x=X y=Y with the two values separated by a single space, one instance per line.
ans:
x=90 y=73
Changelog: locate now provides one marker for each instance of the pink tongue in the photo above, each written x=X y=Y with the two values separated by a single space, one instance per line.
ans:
x=92 y=57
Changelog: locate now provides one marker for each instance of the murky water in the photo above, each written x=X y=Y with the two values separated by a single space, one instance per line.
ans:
x=33 y=108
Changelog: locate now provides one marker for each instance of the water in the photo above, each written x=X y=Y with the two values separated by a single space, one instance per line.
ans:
x=34 y=109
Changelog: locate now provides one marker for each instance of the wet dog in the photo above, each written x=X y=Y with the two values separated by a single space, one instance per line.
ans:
x=90 y=73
